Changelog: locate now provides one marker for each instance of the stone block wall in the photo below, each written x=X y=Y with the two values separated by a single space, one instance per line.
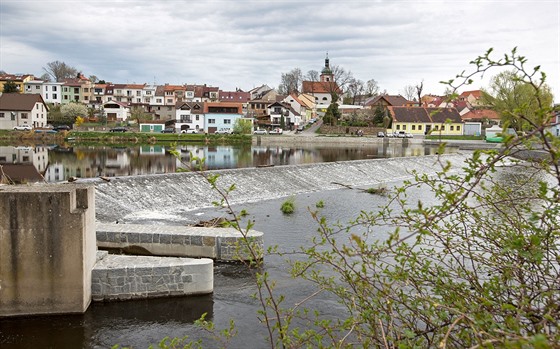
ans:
x=223 y=244
x=47 y=248
x=118 y=277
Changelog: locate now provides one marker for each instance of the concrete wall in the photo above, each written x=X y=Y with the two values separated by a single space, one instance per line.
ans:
x=47 y=248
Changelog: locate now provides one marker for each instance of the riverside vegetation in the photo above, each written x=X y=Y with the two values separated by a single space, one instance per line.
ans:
x=476 y=266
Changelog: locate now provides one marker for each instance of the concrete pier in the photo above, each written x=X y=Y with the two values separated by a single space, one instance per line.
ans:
x=47 y=249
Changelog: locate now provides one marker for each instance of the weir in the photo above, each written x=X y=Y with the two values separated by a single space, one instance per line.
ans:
x=154 y=197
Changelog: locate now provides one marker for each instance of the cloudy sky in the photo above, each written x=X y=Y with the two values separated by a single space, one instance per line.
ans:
x=241 y=43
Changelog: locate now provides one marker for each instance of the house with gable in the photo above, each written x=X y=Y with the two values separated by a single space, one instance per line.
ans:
x=189 y=116
x=323 y=89
x=18 y=79
x=22 y=109
x=78 y=89
x=221 y=116
x=423 y=121
x=116 y=111
x=278 y=111
x=472 y=98
x=299 y=108
x=384 y=101
x=258 y=108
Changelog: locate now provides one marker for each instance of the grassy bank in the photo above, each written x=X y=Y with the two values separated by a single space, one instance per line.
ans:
x=88 y=137
x=459 y=138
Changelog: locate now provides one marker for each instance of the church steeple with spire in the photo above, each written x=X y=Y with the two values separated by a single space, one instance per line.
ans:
x=326 y=73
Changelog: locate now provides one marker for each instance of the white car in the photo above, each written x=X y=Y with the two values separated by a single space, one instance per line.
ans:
x=260 y=132
x=276 y=131
x=189 y=131
x=22 y=128
x=223 y=132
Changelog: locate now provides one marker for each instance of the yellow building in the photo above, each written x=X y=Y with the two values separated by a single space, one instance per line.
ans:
x=19 y=80
x=423 y=121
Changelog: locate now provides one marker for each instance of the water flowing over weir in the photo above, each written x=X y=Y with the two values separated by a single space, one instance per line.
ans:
x=168 y=196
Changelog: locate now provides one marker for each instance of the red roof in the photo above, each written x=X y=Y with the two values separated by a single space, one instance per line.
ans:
x=479 y=114
x=320 y=87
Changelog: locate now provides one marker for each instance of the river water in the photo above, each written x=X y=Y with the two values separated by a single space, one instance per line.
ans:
x=54 y=163
x=138 y=324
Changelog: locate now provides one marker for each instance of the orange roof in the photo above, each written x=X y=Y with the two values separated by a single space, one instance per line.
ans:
x=320 y=87
x=476 y=93
x=481 y=114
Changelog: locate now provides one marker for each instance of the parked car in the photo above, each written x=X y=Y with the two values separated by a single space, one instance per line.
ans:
x=260 y=132
x=118 y=129
x=401 y=134
x=168 y=130
x=380 y=134
x=22 y=128
x=193 y=131
x=409 y=135
x=224 y=131
x=300 y=128
x=62 y=128
x=276 y=131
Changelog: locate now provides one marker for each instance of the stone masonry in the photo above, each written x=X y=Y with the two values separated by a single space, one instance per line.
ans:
x=223 y=244
x=118 y=277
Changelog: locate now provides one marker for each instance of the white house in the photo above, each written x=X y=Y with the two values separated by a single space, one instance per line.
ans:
x=189 y=116
x=221 y=116
x=277 y=110
x=22 y=109
x=116 y=111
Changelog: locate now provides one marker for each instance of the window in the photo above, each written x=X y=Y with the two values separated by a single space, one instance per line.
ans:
x=2 y=159
x=25 y=158
x=54 y=88
x=158 y=100
x=227 y=121
x=169 y=100
x=436 y=127
x=1 y=115
x=86 y=89
x=46 y=96
x=211 y=121
x=197 y=117
x=451 y=128
x=458 y=128
x=37 y=87
x=419 y=127
x=148 y=93
x=65 y=89
x=76 y=90
x=404 y=127
x=54 y=96
x=324 y=98
x=137 y=93
x=398 y=127
x=24 y=115
x=413 y=127
x=443 y=127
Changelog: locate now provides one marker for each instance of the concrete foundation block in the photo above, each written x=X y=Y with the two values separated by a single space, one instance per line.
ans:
x=47 y=248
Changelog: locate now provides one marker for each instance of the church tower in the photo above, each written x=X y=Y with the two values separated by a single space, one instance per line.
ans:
x=326 y=73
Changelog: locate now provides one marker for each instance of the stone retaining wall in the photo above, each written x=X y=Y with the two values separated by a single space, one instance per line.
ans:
x=118 y=277
x=224 y=244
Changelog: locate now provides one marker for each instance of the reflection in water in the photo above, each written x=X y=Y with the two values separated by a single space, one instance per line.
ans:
x=57 y=164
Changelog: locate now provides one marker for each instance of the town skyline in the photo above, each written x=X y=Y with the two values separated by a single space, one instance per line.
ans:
x=247 y=44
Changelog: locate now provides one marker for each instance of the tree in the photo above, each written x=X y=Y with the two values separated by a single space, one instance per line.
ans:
x=511 y=97
x=409 y=92
x=139 y=114
x=10 y=87
x=291 y=82
x=355 y=90
x=243 y=126
x=312 y=75
x=378 y=116
x=332 y=115
x=372 y=88
x=93 y=79
x=419 y=89
x=59 y=71
x=71 y=111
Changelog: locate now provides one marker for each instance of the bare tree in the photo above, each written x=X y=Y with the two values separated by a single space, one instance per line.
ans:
x=59 y=71
x=419 y=89
x=93 y=79
x=355 y=89
x=372 y=88
x=341 y=76
x=291 y=82
x=312 y=75
x=409 y=92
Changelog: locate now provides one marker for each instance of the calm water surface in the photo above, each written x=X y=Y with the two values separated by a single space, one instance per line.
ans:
x=58 y=163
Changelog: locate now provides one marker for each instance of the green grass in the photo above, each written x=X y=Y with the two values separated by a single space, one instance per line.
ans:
x=462 y=138
x=288 y=206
